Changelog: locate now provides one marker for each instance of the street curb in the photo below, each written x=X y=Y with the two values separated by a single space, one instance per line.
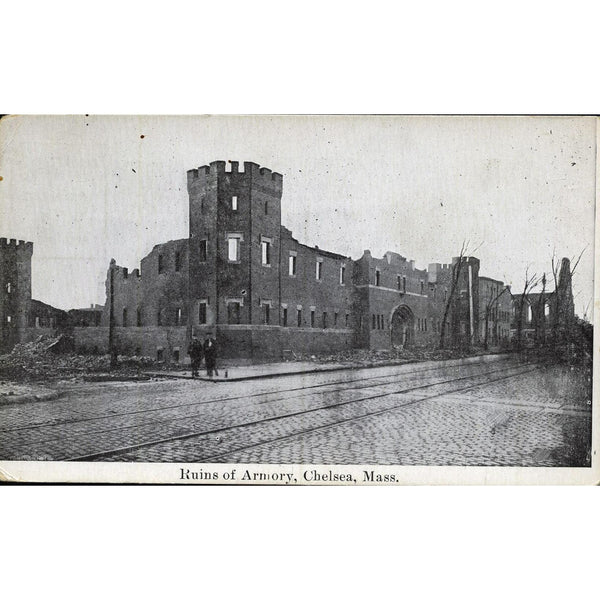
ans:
x=455 y=362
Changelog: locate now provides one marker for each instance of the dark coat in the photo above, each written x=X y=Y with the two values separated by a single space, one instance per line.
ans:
x=196 y=350
x=210 y=350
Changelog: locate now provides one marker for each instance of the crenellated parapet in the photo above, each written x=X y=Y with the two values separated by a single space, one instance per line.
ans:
x=232 y=168
x=20 y=246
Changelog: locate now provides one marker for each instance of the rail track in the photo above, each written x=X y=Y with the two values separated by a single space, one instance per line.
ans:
x=330 y=414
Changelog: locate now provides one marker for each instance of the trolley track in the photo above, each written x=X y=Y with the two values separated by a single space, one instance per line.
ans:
x=279 y=397
x=277 y=392
x=119 y=451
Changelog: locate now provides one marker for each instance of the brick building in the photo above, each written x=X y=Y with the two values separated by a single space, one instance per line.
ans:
x=243 y=276
x=15 y=290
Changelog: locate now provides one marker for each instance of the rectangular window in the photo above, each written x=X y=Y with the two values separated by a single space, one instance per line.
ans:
x=299 y=317
x=178 y=316
x=160 y=263
x=234 y=204
x=8 y=318
x=342 y=274
x=178 y=261
x=335 y=319
x=324 y=320
x=399 y=283
x=202 y=313
x=233 y=249
x=374 y=322
x=9 y=287
x=176 y=355
x=319 y=269
x=159 y=318
x=159 y=354
x=202 y=251
x=139 y=317
x=124 y=317
x=285 y=317
x=266 y=253
x=404 y=284
x=233 y=313
x=347 y=319
x=422 y=287
x=292 y=265
x=377 y=277
x=312 y=318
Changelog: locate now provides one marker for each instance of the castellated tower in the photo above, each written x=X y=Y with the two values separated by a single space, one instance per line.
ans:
x=15 y=290
x=235 y=237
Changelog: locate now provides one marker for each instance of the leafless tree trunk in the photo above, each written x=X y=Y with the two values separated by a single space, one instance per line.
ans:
x=493 y=300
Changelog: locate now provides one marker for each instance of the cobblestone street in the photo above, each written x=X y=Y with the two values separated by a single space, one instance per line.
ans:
x=491 y=413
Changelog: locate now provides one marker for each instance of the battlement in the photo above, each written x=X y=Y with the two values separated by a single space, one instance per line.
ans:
x=219 y=167
x=17 y=245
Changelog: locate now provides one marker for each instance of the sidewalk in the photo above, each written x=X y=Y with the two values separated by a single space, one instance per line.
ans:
x=282 y=369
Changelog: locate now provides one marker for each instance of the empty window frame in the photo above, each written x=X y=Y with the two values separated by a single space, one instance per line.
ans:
x=319 y=269
x=374 y=321
x=404 y=284
x=265 y=247
x=159 y=317
x=138 y=317
x=377 y=277
x=312 y=318
x=159 y=354
x=124 y=317
x=299 y=317
x=324 y=320
x=285 y=316
x=233 y=247
x=422 y=287
x=161 y=266
x=203 y=250
x=9 y=287
x=234 y=202
x=342 y=274
x=292 y=264
x=347 y=319
x=335 y=319
x=202 y=312
x=178 y=261
x=233 y=313
x=178 y=316
x=176 y=355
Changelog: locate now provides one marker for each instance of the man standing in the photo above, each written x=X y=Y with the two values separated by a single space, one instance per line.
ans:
x=195 y=351
x=210 y=355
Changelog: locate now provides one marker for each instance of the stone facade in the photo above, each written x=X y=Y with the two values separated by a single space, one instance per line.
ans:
x=243 y=276
x=15 y=290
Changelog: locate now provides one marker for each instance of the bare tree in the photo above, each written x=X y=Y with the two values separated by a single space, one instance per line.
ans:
x=489 y=308
x=457 y=267
x=540 y=325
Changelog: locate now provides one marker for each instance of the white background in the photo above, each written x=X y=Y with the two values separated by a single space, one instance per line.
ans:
x=375 y=57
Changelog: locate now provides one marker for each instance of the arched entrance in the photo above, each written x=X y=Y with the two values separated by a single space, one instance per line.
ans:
x=402 y=326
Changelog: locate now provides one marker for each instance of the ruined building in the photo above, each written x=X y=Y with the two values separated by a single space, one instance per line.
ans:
x=15 y=290
x=243 y=276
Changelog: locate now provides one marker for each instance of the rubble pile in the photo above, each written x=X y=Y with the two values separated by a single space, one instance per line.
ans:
x=381 y=357
x=45 y=358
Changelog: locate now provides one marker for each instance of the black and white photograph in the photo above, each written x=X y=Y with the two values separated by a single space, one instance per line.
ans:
x=297 y=300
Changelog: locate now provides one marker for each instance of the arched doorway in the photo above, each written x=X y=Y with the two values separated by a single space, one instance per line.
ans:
x=402 y=326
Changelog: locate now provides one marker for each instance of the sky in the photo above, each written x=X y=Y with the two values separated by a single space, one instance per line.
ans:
x=85 y=189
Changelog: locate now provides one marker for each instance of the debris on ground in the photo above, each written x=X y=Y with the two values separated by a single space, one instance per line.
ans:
x=48 y=358
x=365 y=357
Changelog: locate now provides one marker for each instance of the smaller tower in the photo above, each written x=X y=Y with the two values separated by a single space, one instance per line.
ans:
x=15 y=290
